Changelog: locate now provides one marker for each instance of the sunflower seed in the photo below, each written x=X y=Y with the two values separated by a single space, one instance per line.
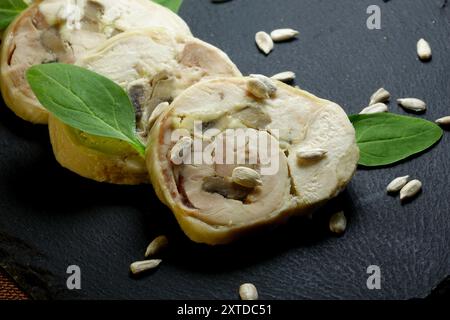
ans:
x=160 y=108
x=445 y=121
x=338 y=223
x=413 y=104
x=258 y=88
x=423 y=50
x=156 y=246
x=246 y=177
x=311 y=153
x=287 y=76
x=410 y=190
x=141 y=266
x=397 y=184
x=271 y=86
x=375 y=108
x=248 y=291
x=264 y=42
x=381 y=95
x=181 y=150
x=283 y=34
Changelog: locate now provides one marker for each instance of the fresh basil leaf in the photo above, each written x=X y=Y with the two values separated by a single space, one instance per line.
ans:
x=86 y=101
x=387 y=138
x=9 y=9
x=173 y=5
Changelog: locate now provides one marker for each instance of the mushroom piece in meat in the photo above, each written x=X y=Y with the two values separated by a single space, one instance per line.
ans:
x=209 y=208
x=63 y=31
x=158 y=67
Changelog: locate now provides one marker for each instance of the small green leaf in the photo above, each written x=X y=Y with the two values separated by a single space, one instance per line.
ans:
x=9 y=9
x=86 y=101
x=173 y=5
x=387 y=138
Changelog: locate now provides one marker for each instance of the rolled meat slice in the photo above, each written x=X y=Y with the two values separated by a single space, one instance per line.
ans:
x=289 y=152
x=63 y=31
x=154 y=67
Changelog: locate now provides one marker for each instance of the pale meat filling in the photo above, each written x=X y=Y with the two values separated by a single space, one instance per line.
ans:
x=301 y=120
x=210 y=189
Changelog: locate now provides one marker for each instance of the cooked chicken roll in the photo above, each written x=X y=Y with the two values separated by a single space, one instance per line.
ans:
x=232 y=155
x=63 y=31
x=154 y=67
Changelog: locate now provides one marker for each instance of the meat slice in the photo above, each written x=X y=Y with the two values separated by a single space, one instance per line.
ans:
x=295 y=178
x=63 y=31
x=154 y=67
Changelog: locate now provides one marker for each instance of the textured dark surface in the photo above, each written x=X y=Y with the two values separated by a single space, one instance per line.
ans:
x=50 y=218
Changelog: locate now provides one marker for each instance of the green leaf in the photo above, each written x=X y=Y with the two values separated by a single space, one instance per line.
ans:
x=9 y=9
x=387 y=138
x=86 y=101
x=173 y=5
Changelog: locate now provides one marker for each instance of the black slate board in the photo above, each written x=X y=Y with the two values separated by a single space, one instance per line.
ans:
x=50 y=218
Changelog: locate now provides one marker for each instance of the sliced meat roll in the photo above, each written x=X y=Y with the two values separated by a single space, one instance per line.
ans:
x=154 y=67
x=305 y=154
x=63 y=31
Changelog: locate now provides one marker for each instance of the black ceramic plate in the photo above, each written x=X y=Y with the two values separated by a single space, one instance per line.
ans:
x=51 y=218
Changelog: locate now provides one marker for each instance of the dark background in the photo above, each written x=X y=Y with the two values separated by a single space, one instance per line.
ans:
x=50 y=218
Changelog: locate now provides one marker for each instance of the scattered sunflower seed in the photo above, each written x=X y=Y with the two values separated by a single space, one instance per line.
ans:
x=311 y=153
x=445 y=121
x=246 y=177
x=264 y=42
x=248 y=291
x=413 y=104
x=181 y=150
x=397 y=184
x=142 y=266
x=381 y=95
x=338 y=223
x=410 y=190
x=375 y=108
x=423 y=50
x=279 y=35
x=287 y=76
x=156 y=246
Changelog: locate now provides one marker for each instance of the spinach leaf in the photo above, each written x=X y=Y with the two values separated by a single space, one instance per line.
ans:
x=9 y=9
x=173 y=5
x=387 y=138
x=86 y=101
